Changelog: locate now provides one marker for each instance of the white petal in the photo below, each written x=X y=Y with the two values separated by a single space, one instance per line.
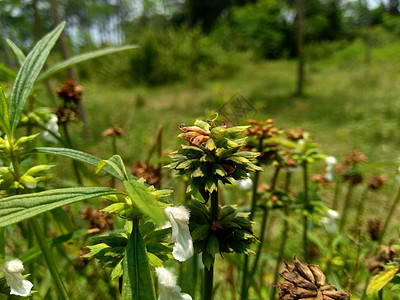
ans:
x=244 y=184
x=333 y=214
x=179 y=219
x=168 y=288
x=12 y=272
x=330 y=160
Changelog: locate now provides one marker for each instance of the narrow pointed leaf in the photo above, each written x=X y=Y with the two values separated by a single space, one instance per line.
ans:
x=28 y=73
x=17 y=208
x=145 y=201
x=380 y=280
x=137 y=282
x=4 y=121
x=116 y=163
x=77 y=155
x=81 y=58
x=17 y=51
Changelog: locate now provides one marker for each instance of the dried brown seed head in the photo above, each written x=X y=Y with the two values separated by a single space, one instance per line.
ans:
x=374 y=228
x=150 y=173
x=113 y=131
x=376 y=182
x=70 y=91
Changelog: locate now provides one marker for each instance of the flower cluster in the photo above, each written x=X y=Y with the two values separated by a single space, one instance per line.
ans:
x=213 y=155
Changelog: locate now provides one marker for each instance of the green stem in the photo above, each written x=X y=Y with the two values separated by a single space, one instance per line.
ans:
x=306 y=207
x=284 y=236
x=346 y=206
x=114 y=151
x=262 y=236
x=251 y=217
x=389 y=216
x=209 y=273
x=360 y=208
x=49 y=259
x=335 y=202
x=74 y=163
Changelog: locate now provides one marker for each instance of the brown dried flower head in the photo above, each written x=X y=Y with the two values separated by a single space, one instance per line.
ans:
x=321 y=179
x=194 y=134
x=376 y=182
x=374 y=229
x=294 y=134
x=262 y=130
x=385 y=255
x=307 y=282
x=354 y=157
x=65 y=115
x=70 y=91
x=113 y=131
x=150 y=173
x=97 y=219
x=353 y=177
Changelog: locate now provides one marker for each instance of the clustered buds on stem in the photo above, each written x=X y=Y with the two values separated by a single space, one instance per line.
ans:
x=307 y=282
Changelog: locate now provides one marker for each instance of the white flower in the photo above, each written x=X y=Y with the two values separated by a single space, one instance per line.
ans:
x=51 y=126
x=12 y=272
x=245 y=184
x=330 y=161
x=168 y=288
x=179 y=219
x=330 y=220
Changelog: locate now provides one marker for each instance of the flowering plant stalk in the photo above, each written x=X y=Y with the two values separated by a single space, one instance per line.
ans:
x=213 y=156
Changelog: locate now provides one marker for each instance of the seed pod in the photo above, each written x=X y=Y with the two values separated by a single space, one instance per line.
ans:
x=307 y=282
x=337 y=295
x=319 y=277
x=304 y=283
x=327 y=287
x=303 y=293
x=303 y=270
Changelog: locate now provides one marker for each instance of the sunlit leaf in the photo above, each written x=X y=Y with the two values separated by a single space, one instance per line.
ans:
x=17 y=208
x=380 y=280
x=17 y=51
x=28 y=73
x=82 y=57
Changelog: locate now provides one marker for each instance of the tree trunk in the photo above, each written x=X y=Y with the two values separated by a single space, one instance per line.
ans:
x=300 y=46
x=71 y=70
x=38 y=35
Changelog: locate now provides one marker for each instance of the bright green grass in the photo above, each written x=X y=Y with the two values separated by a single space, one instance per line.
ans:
x=346 y=104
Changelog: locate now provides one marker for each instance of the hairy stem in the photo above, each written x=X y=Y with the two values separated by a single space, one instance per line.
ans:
x=209 y=273
x=306 y=205
x=346 y=206
x=389 y=216
x=251 y=217
x=284 y=236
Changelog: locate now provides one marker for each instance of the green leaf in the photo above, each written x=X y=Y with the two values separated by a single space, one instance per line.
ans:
x=17 y=208
x=4 y=120
x=137 y=282
x=380 y=280
x=7 y=70
x=213 y=245
x=77 y=155
x=116 y=163
x=82 y=57
x=17 y=51
x=28 y=73
x=145 y=201
x=35 y=251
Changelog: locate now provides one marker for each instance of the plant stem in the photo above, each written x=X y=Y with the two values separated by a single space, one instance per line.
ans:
x=262 y=235
x=2 y=243
x=49 y=259
x=346 y=206
x=360 y=208
x=251 y=217
x=335 y=202
x=114 y=152
x=284 y=236
x=389 y=216
x=74 y=163
x=306 y=205
x=209 y=273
